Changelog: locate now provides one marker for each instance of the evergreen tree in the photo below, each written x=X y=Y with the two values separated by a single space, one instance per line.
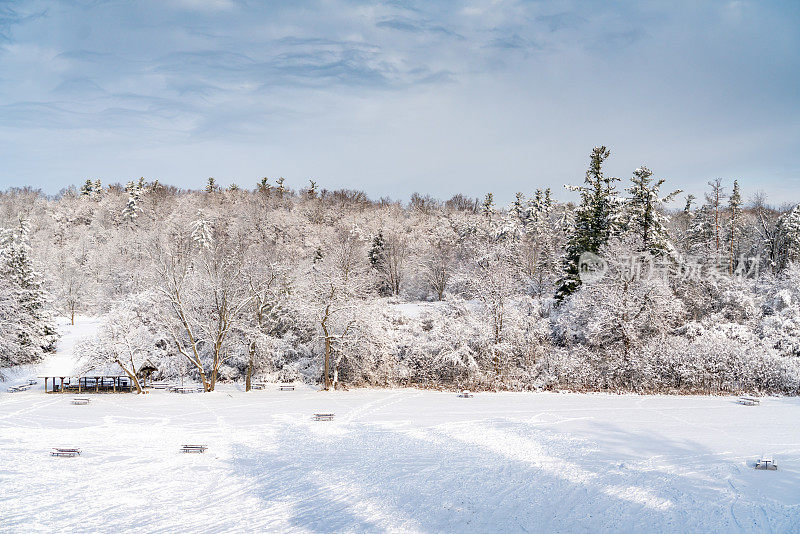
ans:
x=714 y=199
x=31 y=332
x=642 y=214
x=787 y=237
x=488 y=205
x=377 y=252
x=734 y=203
x=263 y=185
x=687 y=209
x=87 y=189
x=596 y=219
x=519 y=209
x=134 y=190
x=378 y=258
x=202 y=231
x=281 y=189
x=700 y=234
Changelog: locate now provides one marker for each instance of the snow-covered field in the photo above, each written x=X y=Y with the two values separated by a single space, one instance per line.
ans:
x=397 y=460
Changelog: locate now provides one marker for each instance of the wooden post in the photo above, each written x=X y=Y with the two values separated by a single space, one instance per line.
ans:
x=96 y=385
x=45 y=384
x=114 y=382
x=79 y=384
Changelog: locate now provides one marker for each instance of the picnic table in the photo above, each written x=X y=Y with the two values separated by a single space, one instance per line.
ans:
x=258 y=385
x=323 y=416
x=194 y=448
x=465 y=394
x=767 y=462
x=66 y=453
x=159 y=385
x=287 y=387
x=749 y=401
x=80 y=400
x=32 y=381
x=21 y=387
x=187 y=389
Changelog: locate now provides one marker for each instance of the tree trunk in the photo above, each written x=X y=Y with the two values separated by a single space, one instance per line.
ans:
x=249 y=376
x=326 y=378
x=327 y=367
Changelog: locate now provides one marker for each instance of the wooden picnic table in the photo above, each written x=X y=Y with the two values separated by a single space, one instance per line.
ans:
x=749 y=401
x=323 y=416
x=80 y=400
x=67 y=453
x=187 y=389
x=287 y=387
x=767 y=462
x=466 y=394
x=194 y=448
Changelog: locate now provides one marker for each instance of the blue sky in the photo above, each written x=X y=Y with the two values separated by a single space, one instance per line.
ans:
x=397 y=97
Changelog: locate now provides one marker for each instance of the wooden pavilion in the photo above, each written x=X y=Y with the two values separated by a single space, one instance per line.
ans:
x=88 y=384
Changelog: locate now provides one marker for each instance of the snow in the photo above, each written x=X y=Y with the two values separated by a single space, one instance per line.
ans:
x=396 y=460
x=63 y=362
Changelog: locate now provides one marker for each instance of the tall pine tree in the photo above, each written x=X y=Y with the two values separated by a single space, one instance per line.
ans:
x=595 y=220
x=642 y=213
x=30 y=332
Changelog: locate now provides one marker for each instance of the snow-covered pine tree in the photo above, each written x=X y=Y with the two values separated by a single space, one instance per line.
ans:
x=787 y=235
x=700 y=234
x=30 y=332
x=202 y=231
x=642 y=214
x=378 y=259
x=687 y=209
x=488 y=206
x=714 y=199
x=595 y=220
x=211 y=185
x=519 y=209
x=87 y=189
x=734 y=203
x=263 y=186
x=377 y=252
x=131 y=209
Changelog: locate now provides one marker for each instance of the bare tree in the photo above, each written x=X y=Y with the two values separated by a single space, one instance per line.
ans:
x=332 y=293
x=200 y=284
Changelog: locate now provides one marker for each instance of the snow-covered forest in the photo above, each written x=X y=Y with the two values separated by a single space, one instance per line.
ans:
x=617 y=290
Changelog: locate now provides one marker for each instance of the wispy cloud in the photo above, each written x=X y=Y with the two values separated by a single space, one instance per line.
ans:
x=402 y=95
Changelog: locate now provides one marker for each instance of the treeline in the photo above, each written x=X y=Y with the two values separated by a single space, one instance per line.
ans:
x=613 y=292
